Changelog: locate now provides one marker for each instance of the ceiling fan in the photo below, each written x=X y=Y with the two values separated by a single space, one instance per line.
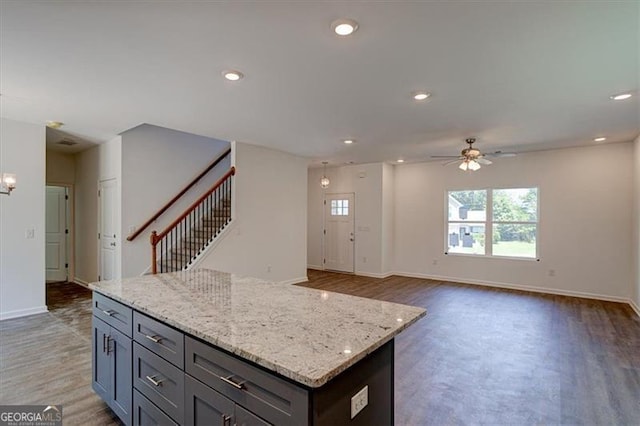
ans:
x=471 y=158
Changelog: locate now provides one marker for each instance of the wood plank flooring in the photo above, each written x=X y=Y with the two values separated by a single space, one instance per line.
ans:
x=502 y=357
x=480 y=356
x=46 y=358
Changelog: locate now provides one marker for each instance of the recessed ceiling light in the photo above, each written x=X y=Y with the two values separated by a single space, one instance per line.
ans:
x=344 y=27
x=421 y=96
x=400 y=160
x=620 y=96
x=232 y=75
x=600 y=139
x=55 y=124
x=348 y=141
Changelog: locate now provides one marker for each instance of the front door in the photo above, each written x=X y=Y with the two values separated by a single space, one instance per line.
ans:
x=56 y=233
x=107 y=234
x=339 y=220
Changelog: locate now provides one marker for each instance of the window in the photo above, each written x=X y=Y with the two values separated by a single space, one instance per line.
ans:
x=339 y=207
x=509 y=216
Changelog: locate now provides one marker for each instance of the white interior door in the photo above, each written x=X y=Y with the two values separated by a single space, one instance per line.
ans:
x=339 y=237
x=107 y=234
x=56 y=234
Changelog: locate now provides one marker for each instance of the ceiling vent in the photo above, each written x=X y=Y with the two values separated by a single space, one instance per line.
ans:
x=66 y=142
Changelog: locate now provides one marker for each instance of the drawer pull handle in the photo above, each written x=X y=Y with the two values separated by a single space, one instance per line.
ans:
x=226 y=420
x=154 y=339
x=153 y=380
x=232 y=383
x=108 y=313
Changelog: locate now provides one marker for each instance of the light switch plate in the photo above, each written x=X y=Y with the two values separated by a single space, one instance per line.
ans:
x=359 y=401
x=30 y=233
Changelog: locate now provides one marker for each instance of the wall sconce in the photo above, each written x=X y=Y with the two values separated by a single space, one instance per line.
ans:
x=8 y=183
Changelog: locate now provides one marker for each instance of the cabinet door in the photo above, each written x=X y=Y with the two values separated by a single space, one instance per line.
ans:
x=247 y=418
x=120 y=351
x=101 y=365
x=145 y=413
x=204 y=406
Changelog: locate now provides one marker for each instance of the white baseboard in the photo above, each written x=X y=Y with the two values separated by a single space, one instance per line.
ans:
x=81 y=282
x=634 y=306
x=295 y=280
x=517 y=287
x=315 y=267
x=23 y=312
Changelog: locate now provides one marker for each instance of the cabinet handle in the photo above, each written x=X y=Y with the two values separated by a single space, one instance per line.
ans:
x=232 y=383
x=226 y=420
x=104 y=342
x=155 y=382
x=154 y=339
x=108 y=313
x=108 y=345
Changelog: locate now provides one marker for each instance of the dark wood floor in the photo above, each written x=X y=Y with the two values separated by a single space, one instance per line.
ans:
x=480 y=356
x=502 y=357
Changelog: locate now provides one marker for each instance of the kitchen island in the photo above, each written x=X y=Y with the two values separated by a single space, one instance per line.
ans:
x=207 y=347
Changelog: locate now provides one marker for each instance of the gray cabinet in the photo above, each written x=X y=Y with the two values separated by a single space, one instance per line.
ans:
x=111 y=352
x=205 y=406
x=150 y=373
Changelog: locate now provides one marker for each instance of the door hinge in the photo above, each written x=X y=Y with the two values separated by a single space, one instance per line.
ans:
x=66 y=231
x=98 y=192
x=325 y=202
x=324 y=231
x=66 y=197
x=98 y=235
x=324 y=260
x=99 y=279
x=66 y=265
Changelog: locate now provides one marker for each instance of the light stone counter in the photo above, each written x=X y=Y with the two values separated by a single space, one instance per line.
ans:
x=307 y=335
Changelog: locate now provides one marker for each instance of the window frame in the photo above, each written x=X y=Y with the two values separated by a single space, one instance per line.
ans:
x=489 y=224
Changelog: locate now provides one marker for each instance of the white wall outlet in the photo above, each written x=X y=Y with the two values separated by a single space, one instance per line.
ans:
x=132 y=229
x=552 y=272
x=364 y=259
x=434 y=262
x=268 y=268
x=359 y=401
x=30 y=233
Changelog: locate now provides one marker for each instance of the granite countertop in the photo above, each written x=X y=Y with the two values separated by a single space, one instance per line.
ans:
x=307 y=335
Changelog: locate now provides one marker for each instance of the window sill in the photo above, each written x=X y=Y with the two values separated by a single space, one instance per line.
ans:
x=487 y=256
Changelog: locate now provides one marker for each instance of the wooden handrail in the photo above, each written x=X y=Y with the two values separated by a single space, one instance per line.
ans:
x=155 y=237
x=164 y=208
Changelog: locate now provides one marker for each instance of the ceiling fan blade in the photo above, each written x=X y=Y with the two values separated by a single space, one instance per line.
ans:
x=484 y=161
x=446 y=163
x=447 y=156
x=500 y=154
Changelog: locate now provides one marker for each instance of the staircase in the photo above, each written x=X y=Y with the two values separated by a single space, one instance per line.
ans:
x=178 y=246
x=194 y=240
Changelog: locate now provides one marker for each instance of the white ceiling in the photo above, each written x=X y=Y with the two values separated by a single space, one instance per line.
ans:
x=517 y=75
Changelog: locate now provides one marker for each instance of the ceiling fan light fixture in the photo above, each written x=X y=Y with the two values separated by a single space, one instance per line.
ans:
x=474 y=165
x=464 y=165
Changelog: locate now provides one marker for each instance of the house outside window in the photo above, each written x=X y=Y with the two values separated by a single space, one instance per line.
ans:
x=509 y=216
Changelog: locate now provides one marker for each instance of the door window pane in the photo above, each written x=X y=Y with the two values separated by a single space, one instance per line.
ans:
x=339 y=207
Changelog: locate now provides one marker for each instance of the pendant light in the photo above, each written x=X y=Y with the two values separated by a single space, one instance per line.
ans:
x=324 y=182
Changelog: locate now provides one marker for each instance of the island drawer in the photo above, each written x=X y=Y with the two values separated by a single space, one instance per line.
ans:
x=113 y=313
x=161 y=382
x=272 y=398
x=159 y=338
x=145 y=413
